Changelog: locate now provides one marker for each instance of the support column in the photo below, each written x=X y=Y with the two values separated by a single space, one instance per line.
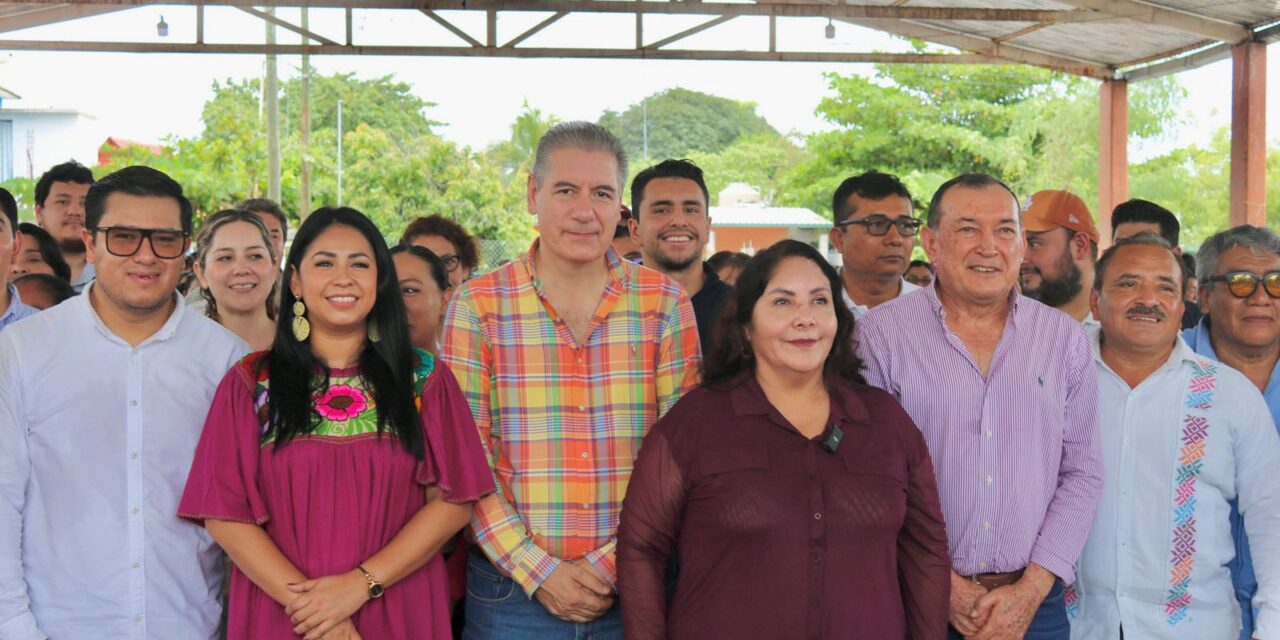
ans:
x=1248 y=134
x=1113 y=153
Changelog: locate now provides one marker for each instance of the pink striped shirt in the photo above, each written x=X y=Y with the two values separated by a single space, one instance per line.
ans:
x=1017 y=453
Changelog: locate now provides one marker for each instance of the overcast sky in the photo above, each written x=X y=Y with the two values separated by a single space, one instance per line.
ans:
x=148 y=96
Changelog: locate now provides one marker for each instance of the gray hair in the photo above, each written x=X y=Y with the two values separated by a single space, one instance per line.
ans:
x=579 y=134
x=1146 y=238
x=1259 y=240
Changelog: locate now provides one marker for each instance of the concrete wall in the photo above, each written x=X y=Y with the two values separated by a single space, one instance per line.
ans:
x=43 y=139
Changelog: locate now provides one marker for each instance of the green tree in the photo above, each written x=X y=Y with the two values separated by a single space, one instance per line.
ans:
x=680 y=121
x=515 y=155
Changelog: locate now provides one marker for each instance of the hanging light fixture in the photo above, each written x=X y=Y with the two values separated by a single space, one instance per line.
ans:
x=831 y=29
x=162 y=28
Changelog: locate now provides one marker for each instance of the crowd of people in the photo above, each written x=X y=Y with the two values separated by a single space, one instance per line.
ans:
x=234 y=433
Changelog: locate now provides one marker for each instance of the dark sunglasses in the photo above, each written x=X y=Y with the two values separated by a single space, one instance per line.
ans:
x=124 y=242
x=878 y=225
x=1242 y=284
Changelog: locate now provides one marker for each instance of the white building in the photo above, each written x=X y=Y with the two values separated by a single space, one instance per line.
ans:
x=32 y=140
x=743 y=222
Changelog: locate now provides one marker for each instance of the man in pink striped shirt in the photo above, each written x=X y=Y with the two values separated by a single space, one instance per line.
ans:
x=1005 y=392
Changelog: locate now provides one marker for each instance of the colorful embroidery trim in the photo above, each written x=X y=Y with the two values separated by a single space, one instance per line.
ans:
x=1195 y=431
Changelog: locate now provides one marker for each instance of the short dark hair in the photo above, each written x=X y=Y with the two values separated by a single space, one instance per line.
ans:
x=435 y=265
x=730 y=352
x=50 y=250
x=872 y=185
x=456 y=234
x=971 y=181
x=271 y=208
x=70 y=171
x=58 y=289
x=666 y=169
x=10 y=206
x=920 y=263
x=722 y=259
x=1144 y=211
x=1146 y=238
x=137 y=181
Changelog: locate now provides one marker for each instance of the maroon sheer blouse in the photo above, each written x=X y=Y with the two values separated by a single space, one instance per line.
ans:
x=776 y=537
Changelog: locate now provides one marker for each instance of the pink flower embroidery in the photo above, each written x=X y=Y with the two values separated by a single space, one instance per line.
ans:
x=341 y=403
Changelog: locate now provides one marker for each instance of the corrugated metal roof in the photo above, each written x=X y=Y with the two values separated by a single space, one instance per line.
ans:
x=752 y=215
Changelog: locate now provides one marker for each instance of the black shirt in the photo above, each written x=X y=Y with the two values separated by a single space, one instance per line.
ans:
x=707 y=303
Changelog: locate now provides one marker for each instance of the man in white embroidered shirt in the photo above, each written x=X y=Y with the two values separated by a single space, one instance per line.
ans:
x=1183 y=435
x=101 y=403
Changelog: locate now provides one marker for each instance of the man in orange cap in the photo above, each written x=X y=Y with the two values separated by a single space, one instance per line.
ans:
x=1062 y=247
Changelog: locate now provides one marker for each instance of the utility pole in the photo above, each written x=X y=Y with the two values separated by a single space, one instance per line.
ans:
x=305 y=115
x=644 y=111
x=339 y=152
x=271 y=92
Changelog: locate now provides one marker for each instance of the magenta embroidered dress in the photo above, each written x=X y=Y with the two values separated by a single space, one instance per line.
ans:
x=332 y=499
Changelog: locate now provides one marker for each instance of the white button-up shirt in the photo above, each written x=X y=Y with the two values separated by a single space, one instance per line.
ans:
x=859 y=310
x=1171 y=471
x=96 y=439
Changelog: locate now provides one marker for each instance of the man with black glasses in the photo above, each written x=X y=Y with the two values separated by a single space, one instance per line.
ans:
x=1240 y=296
x=875 y=233
x=101 y=404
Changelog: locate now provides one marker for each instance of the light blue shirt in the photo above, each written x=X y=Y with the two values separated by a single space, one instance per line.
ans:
x=1152 y=442
x=98 y=437
x=1242 y=567
x=86 y=276
x=16 y=310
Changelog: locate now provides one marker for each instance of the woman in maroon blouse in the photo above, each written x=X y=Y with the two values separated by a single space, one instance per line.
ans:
x=799 y=502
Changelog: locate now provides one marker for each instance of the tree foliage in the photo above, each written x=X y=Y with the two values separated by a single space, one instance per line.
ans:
x=680 y=122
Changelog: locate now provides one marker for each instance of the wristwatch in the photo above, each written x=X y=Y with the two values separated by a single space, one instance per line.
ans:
x=375 y=588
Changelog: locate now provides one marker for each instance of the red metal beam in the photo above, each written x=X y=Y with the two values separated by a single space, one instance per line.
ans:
x=1113 y=153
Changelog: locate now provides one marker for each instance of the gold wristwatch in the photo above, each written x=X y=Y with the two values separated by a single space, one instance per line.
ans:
x=375 y=588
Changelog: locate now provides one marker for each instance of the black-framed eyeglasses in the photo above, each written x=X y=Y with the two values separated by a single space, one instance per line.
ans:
x=878 y=225
x=124 y=242
x=451 y=262
x=1242 y=284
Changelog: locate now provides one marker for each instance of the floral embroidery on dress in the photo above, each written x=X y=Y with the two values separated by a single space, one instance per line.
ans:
x=341 y=403
x=345 y=408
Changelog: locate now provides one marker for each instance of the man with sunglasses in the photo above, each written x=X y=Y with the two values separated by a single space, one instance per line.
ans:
x=874 y=232
x=1240 y=296
x=102 y=401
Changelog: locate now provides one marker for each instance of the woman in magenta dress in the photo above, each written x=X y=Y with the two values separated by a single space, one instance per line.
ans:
x=334 y=466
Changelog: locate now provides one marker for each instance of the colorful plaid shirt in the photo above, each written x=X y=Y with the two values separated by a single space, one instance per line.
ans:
x=562 y=422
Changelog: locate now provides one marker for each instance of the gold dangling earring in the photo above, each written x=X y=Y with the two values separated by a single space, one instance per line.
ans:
x=373 y=332
x=301 y=327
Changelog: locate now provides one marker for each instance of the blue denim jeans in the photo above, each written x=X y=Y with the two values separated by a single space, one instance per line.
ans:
x=1050 y=622
x=498 y=609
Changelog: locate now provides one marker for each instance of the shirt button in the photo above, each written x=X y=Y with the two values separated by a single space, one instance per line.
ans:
x=989 y=480
x=136 y=565
x=817 y=516
x=133 y=403
x=982 y=565
x=582 y=407
x=586 y=506
x=585 y=455
x=137 y=618
x=988 y=433
x=133 y=456
x=986 y=525
x=134 y=510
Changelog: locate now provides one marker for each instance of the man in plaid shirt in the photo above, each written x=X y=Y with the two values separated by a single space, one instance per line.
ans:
x=567 y=355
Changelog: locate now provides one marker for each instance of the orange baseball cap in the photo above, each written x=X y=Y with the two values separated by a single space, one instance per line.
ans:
x=1054 y=209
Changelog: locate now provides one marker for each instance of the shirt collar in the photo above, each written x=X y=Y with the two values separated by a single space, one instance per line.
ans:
x=931 y=292
x=616 y=265
x=15 y=304
x=1182 y=352
x=903 y=289
x=748 y=399
x=165 y=332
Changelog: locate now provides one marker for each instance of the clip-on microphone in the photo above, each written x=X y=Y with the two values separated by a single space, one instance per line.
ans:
x=831 y=440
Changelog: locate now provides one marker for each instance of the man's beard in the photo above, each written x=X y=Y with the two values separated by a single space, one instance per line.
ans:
x=667 y=264
x=1056 y=292
x=72 y=245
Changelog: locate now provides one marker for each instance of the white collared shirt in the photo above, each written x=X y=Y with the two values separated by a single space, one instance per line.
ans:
x=96 y=439
x=1165 y=505
x=860 y=310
